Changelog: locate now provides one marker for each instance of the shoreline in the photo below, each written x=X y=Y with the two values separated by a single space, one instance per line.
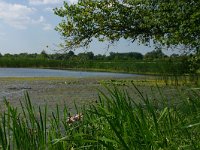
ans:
x=86 y=70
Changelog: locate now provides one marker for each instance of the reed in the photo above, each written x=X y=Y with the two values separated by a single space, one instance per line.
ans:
x=160 y=66
x=116 y=121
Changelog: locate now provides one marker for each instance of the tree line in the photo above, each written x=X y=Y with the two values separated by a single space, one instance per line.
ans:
x=154 y=62
x=70 y=55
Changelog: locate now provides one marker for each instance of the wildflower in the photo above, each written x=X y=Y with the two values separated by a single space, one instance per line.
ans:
x=72 y=119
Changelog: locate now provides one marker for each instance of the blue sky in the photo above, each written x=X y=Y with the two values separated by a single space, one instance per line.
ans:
x=28 y=26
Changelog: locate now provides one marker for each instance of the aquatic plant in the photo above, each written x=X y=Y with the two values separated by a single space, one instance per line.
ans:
x=116 y=121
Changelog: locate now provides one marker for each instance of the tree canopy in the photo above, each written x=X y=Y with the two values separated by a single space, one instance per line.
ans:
x=166 y=22
x=155 y=54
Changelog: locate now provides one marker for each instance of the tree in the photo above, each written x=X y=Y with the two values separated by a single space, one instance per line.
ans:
x=23 y=55
x=86 y=56
x=131 y=55
x=166 y=22
x=155 y=54
x=43 y=54
x=90 y=55
x=70 y=54
x=174 y=55
x=125 y=56
x=7 y=55
x=100 y=57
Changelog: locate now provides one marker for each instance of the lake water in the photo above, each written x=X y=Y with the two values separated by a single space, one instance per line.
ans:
x=27 y=72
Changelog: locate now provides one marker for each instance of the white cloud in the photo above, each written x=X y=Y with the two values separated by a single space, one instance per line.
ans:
x=16 y=15
x=38 y=21
x=20 y=16
x=48 y=9
x=41 y=21
x=39 y=2
x=47 y=27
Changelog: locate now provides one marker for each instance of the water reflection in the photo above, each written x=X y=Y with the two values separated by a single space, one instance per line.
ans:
x=27 y=72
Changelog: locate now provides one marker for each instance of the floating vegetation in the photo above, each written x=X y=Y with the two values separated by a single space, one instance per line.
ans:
x=115 y=121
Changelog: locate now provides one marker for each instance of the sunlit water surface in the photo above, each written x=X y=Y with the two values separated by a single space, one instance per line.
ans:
x=27 y=72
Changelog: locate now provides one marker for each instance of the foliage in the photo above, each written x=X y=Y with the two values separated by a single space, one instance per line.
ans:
x=132 y=62
x=126 y=56
x=146 y=125
x=116 y=121
x=167 y=22
x=195 y=63
x=155 y=54
x=43 y=54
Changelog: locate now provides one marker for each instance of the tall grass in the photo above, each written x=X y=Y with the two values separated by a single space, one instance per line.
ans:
x=116 y=121
x=144 y=125
x=131 y=66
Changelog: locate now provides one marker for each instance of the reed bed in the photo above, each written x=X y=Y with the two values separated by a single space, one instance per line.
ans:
x=115 y=121
x=159 y=66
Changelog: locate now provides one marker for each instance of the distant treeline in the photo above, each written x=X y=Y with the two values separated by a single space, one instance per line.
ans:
x=154 y=62
x=156 y=54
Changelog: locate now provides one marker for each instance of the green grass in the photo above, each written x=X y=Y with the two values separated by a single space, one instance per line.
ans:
x=116 y=121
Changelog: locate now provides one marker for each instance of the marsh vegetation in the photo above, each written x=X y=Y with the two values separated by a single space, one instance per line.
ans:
x=160 y=112
x=155 y=62
x=132 y=113
x=115 y=121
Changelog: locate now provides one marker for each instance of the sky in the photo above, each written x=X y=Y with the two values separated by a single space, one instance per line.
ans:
x=28 y=26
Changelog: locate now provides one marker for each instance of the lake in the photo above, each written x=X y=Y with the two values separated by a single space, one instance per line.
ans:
x=27 y=72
